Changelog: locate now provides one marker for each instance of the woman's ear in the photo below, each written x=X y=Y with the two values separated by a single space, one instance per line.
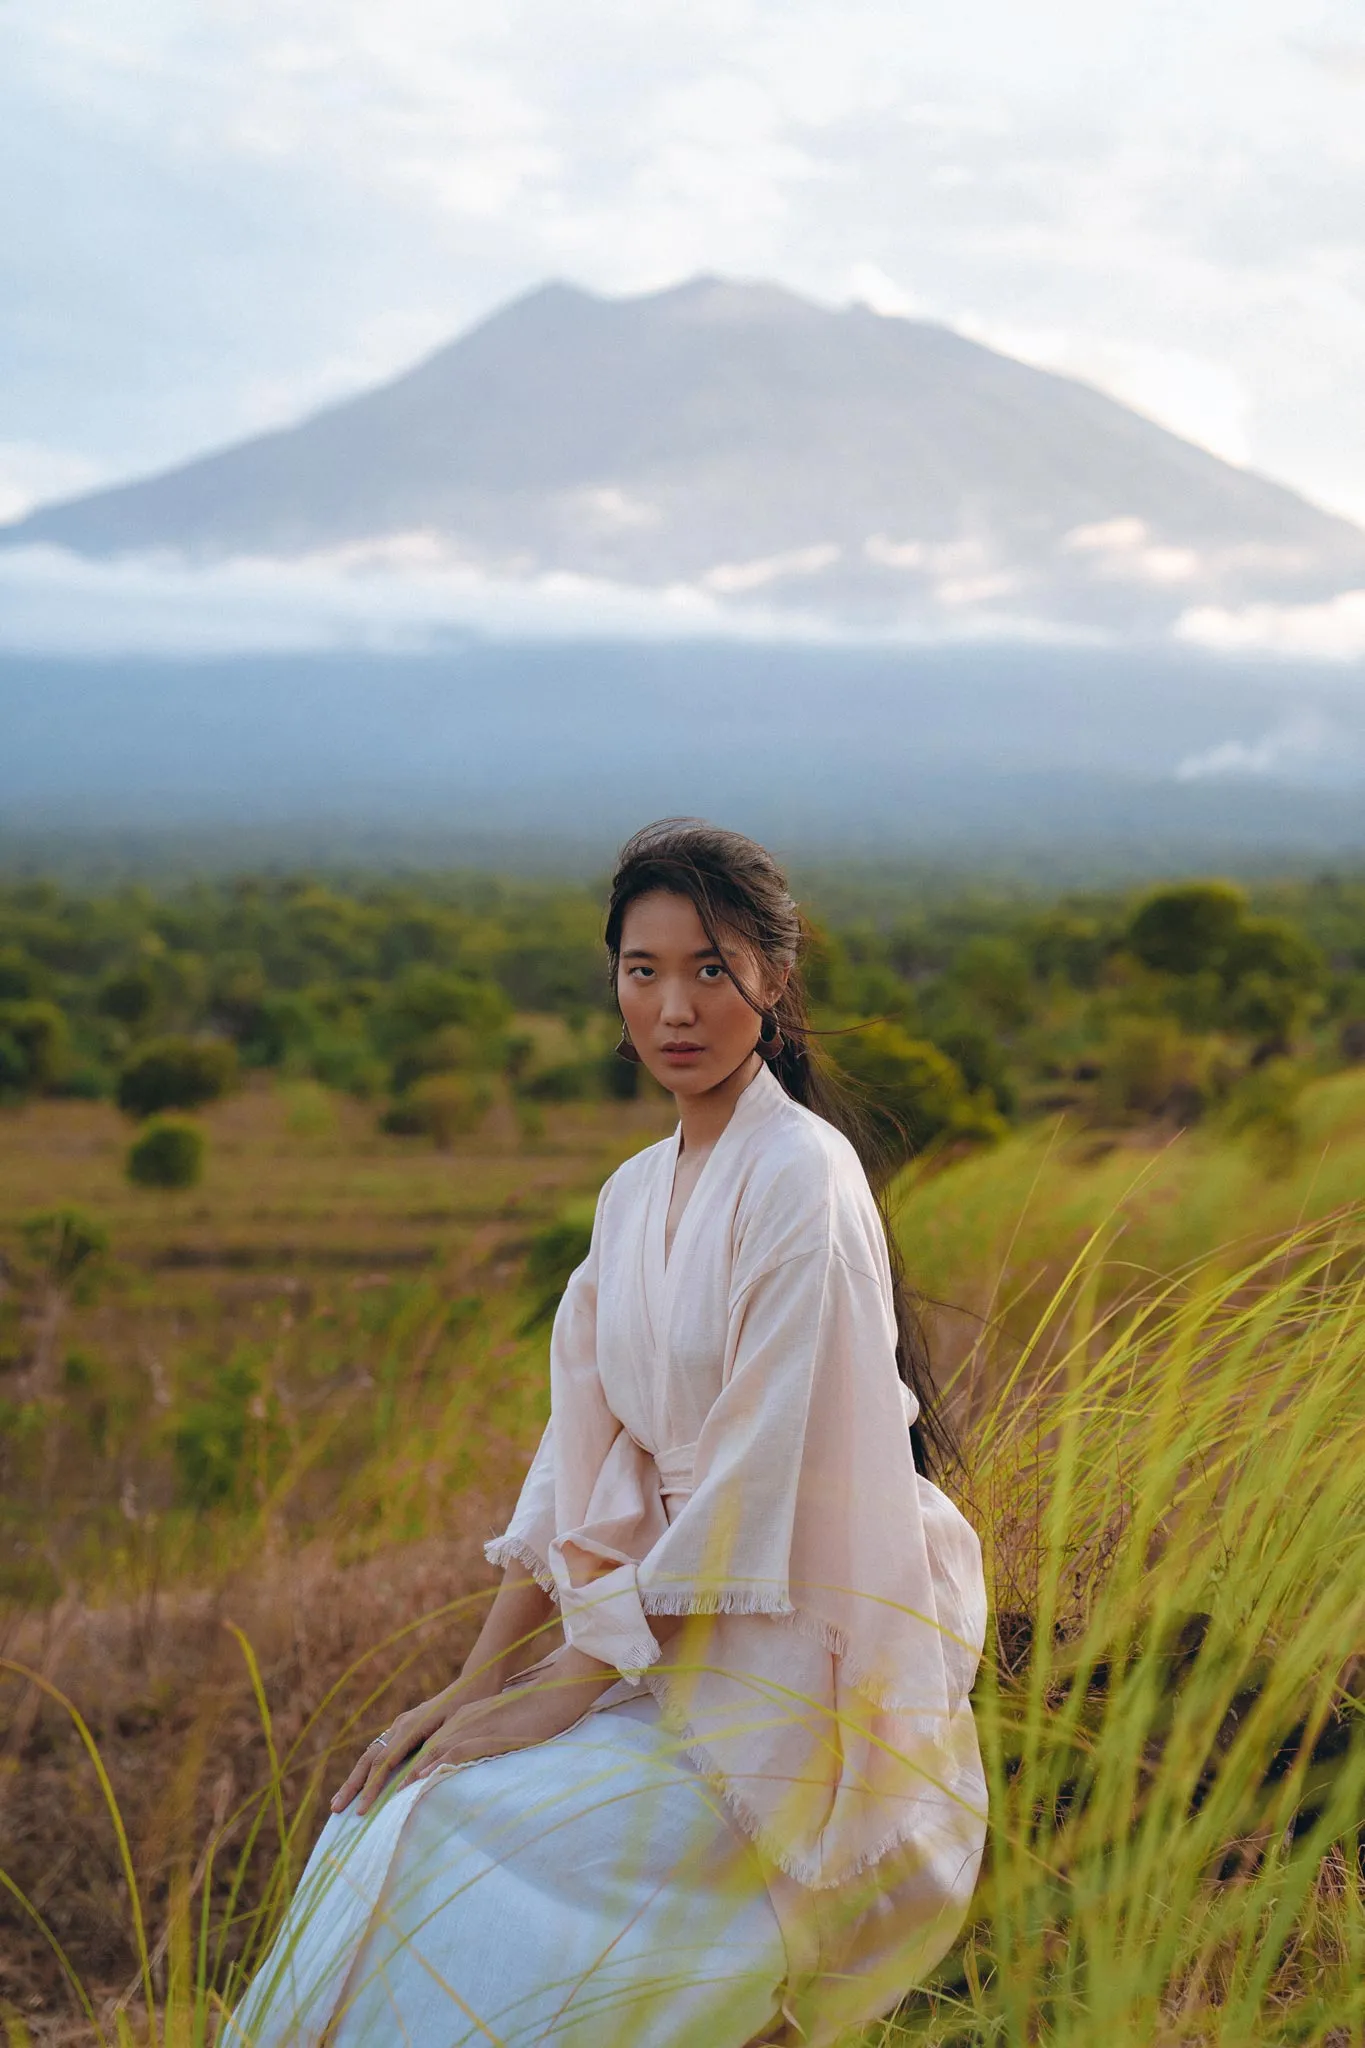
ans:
x=776 y=987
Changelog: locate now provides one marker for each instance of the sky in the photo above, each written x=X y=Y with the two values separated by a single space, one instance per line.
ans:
x=214 y=218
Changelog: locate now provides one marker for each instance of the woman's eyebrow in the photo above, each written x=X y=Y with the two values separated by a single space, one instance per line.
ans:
x=637 y=953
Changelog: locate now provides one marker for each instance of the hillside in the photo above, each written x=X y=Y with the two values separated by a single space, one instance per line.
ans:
x=738 y=440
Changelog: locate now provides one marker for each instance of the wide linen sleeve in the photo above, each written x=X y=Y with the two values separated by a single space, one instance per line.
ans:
x=527 y=1538
x=589 y=1506
x=806 y=1502
x=530 y=1534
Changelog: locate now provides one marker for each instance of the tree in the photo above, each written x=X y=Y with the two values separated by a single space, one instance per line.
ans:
x=426 y=998
x=442 y=1107
x=128 y=996
x=19 y=977
x=33 y=1045
x=167 y=1153
x=994 y=973
x=176 y=1073
x=912 y=1094
x=1069 y=946
x=1277 y=949
x=68 y=1247
x=1186 y=929
x=1151 y=1068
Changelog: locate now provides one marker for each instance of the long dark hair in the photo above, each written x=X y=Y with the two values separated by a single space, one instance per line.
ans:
x=739 y=892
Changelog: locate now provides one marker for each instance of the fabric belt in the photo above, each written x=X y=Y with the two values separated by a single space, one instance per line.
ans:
x=675 y=1471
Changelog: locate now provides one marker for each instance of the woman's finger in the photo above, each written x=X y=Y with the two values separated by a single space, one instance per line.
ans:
x=373 y=1769
x=347 y=1790
x=375 y=1782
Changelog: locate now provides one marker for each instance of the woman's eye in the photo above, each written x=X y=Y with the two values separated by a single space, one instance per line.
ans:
x=640 y=973
x=711 y=972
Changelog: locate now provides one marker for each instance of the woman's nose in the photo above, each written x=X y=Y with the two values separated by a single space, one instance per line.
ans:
x=677 y=1006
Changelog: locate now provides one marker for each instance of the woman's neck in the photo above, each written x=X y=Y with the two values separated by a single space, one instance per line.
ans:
x=704 y=1117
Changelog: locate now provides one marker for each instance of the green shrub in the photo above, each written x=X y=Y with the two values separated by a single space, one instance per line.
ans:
x=1150 y=1068
x=912 y=1094
x=167 y=1153
x=128 y=996
x=176 y=1073
x=1188 y=928
x=995 y=974
x=347 y=1064
x=621 y=1078
x=567 y=1081
x=13 y=1066
x=452 y=1048
x=33 y=1043
x=1273 y=947
x=1068 y=947
x=66 y=1243
x=85 y=1081
x=238 y=990
x=442 y=1107
x=280 y=1028
x=552 y=1256
x=978 y=1058
x=20 y=978
x=427 y=998
x=1264 y=1111
x=227 y=1446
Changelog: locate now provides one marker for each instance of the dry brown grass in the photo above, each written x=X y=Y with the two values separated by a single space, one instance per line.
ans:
x=375 y=1283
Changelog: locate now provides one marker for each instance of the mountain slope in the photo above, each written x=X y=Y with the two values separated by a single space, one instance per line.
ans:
x=738 y=438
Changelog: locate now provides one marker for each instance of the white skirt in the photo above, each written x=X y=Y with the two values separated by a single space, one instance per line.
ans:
x=587 y=1893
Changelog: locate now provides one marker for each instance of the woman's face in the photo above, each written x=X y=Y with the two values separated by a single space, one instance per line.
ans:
x=689 y=1023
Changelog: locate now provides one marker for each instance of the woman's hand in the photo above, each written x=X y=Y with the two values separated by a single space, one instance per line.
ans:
x=515 y=1625
x=563 y=1689
x=390 y=1751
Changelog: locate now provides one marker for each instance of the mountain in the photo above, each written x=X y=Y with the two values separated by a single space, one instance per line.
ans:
x=736 y=439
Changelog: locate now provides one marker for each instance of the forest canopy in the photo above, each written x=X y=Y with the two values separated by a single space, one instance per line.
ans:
x=959 y=1012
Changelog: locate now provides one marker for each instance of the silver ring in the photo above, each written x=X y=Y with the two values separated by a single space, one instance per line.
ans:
x=380 y=1742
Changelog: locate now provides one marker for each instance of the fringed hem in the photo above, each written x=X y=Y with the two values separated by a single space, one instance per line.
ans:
x=505 y=1550
x=778 y=1607
x=716 y=1600
x=803 y=1870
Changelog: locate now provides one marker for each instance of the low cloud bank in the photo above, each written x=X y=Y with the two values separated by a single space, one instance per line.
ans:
x=398 y=599
x=1333 y=630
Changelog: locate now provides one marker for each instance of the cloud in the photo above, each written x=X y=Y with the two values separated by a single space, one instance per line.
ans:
x=29 y=473
x=410 y=592
x=1331 y=631
x=732 y=579
x=234 y=212
x=1123 y=550
x=1296 y=744
x=870 y=286
x=415 y=591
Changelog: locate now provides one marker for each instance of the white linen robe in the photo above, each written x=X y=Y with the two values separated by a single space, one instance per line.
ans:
x=728 y=1440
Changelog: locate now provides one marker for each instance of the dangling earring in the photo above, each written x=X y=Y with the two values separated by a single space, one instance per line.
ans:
x=625 y=1048
x=770 y=1039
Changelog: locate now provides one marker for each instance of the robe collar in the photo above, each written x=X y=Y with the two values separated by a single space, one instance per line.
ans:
x=759 y=1099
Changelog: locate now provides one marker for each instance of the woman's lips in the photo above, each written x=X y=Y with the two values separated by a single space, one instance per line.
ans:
x=684 y=1049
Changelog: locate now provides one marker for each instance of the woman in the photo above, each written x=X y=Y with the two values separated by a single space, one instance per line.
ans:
x=741 y=1799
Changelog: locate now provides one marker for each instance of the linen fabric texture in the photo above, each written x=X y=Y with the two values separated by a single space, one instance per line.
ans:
x=590 y=1892
x=728 y=1441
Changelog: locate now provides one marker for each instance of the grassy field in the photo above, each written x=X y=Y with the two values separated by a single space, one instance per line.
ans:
x=248 y=1456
